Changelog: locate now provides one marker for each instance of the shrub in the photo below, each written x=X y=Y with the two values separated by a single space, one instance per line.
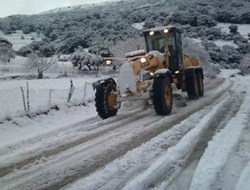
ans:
x=205 y=20
x=213 y=33
x=244 y=65
x=233 y=28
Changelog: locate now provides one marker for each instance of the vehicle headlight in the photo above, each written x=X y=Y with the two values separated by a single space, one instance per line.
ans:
x=143 y=60
x=108 y=62
x=165 y=31
x=151 y=33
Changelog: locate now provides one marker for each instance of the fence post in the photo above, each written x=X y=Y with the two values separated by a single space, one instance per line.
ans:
x=50 y=94
x=84 y=95
x=24 y=103
x=71 y=90
x=28 y=98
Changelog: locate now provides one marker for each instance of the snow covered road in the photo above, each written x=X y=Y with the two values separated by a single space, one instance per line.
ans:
x=204 y=144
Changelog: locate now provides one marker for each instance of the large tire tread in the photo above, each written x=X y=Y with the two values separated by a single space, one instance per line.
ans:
x=192 y=88
x=102 y=92
x=200 y=84
x=160 y=106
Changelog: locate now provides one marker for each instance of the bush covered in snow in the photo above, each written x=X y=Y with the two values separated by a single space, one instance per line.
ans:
x=245 y=65
x=81 y=58
x=233 y=28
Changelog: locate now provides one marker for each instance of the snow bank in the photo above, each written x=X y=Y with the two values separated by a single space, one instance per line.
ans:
x=244 y=182
x=20 y=129
x=219 y=149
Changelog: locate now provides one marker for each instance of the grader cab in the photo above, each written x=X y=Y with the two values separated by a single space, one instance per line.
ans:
x=152 y=75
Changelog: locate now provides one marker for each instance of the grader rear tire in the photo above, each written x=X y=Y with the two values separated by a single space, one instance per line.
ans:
x=162 y=96
x=192 y=87
x=200 y=85
x=105 y=100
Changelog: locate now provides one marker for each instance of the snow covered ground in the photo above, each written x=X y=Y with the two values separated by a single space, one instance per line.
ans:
x=242 y=28
x=20 y=39
x=43 y=94
x=205 y=145
x=221 y=43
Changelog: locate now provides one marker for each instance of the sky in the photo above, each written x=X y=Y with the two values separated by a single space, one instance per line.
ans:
x=10 y=7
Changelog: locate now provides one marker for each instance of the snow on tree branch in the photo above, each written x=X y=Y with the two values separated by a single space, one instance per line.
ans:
x=41 y=64
x=83 y=58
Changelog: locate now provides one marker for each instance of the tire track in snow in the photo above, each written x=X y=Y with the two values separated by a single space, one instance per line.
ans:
x=137 y=160
x=212 y=85
x=176 y=156
x=215 y=157
x=72 y=160
x=182 y=177
x=66 y=129
x=36 y=139
x=85 y=132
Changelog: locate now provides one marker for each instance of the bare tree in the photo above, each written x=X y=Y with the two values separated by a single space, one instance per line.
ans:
x=41 y=64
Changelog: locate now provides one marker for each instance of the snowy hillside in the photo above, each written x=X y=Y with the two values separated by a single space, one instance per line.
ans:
x=77 y=7
x=19 y=39
x=109 y=24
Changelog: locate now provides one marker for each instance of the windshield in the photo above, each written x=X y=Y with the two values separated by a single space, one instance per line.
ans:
x=156 y=41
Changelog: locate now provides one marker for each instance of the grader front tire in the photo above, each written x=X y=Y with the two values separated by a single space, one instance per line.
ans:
x=162 y=96
x=105 y=100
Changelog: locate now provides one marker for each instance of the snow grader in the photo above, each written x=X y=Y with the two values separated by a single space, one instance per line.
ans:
x=152 y=75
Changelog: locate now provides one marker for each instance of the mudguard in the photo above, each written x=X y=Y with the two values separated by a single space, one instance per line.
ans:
x=108 y=80
x=164 y=73
x=189 y=72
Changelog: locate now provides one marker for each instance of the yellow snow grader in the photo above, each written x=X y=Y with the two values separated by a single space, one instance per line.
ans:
x=152 y=75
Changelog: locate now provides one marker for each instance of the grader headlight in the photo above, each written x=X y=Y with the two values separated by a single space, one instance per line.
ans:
x=108 y=62
x=143 y=60
x=151 y=33
x=165 y=31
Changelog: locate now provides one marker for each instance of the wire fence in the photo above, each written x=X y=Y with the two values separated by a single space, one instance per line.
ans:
x=28 y=101
x=11 y=101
